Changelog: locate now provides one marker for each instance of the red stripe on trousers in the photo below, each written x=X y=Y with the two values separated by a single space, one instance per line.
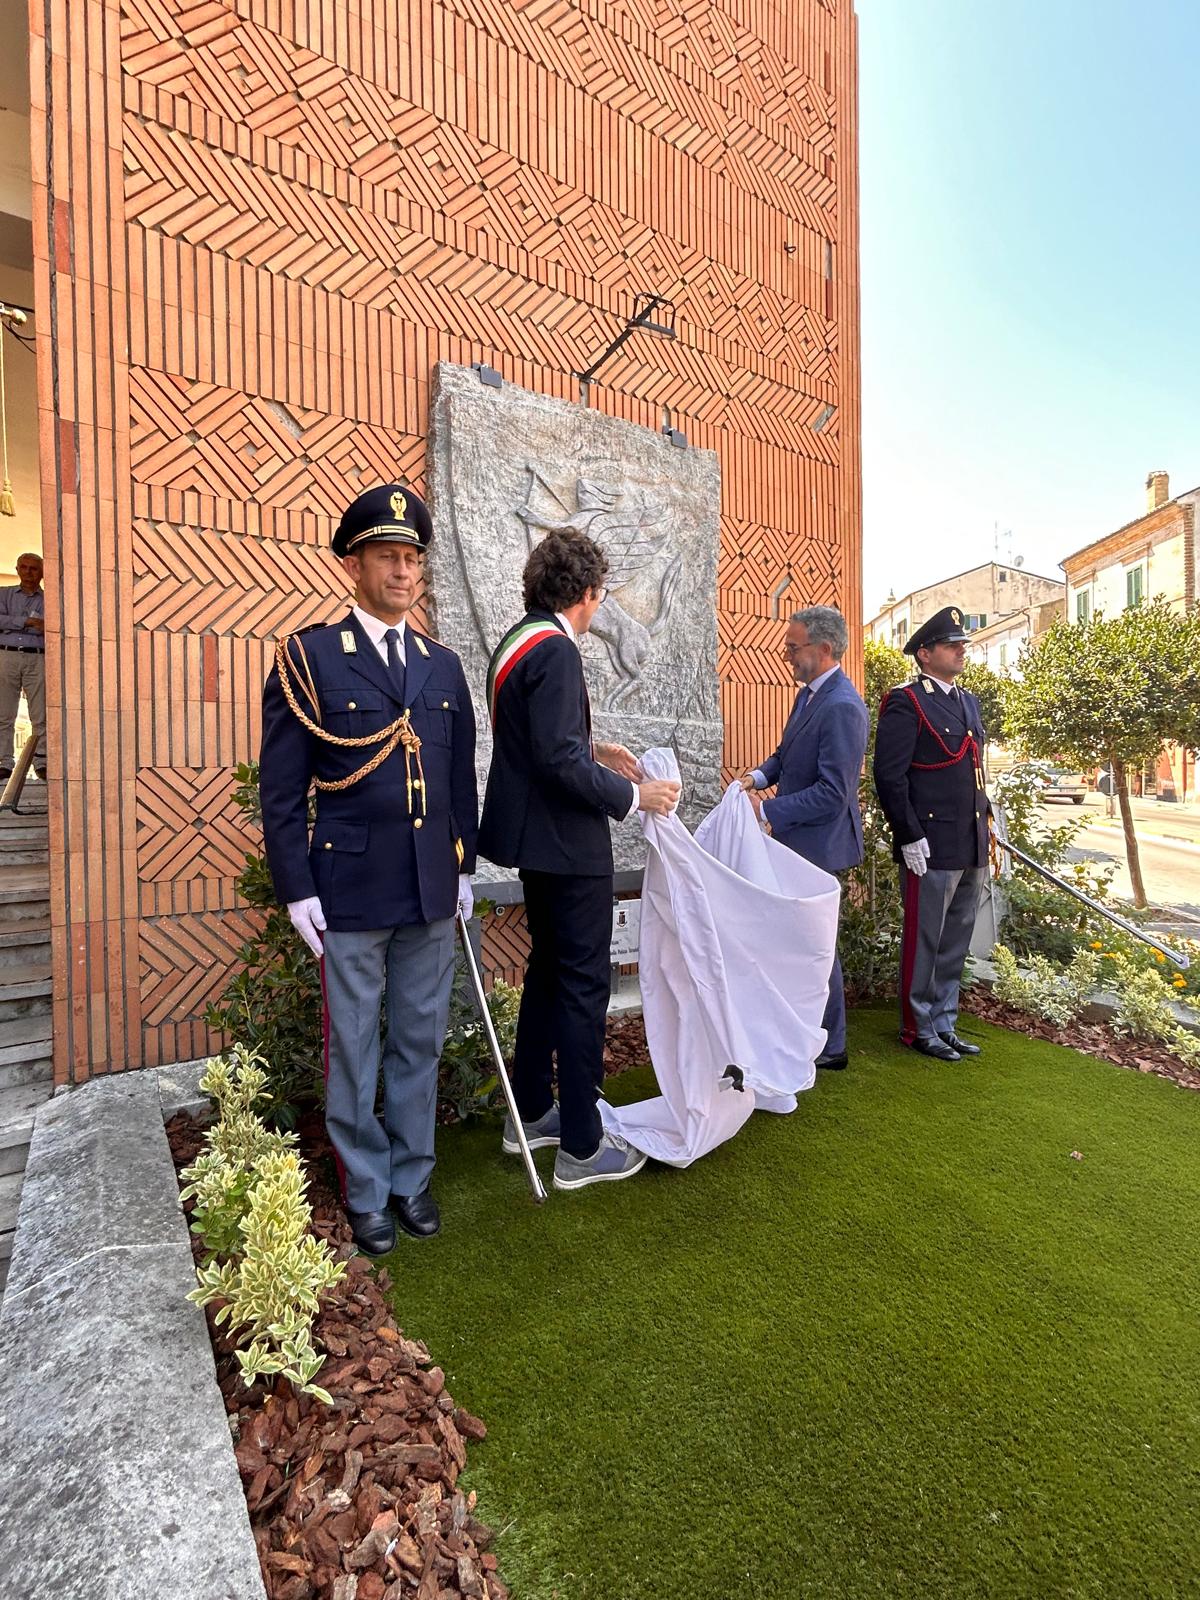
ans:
x=908 y=954
x=341 y=1171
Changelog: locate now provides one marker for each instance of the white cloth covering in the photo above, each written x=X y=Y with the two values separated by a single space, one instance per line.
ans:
x=737 y=940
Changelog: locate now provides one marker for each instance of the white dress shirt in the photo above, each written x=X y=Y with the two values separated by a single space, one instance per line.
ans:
x=376 y=628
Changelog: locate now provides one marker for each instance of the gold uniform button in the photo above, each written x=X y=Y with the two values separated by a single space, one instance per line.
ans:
x=353 y=706
x=328 y=845
x=445 y=705
x=418 y=823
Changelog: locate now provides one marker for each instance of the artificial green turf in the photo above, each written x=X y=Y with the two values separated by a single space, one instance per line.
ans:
x=896 y=1344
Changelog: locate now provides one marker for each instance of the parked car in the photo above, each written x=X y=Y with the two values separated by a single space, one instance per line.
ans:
x=1056 y=783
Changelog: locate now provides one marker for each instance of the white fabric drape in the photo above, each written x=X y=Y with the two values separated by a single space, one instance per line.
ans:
x=737 y=940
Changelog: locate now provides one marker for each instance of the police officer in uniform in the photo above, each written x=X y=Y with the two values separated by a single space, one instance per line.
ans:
x=378 y=718
x=929 y=777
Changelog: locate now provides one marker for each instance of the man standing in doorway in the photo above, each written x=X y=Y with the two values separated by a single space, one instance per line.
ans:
x=929 y=778
x=817 y=767
x=378 y=718
x=550 y=794
x=23 y=661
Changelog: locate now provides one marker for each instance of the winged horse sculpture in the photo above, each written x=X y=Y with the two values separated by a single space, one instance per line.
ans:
x=633 y=529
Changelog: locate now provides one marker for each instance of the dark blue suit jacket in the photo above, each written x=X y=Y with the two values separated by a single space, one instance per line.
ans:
x=372 y=863
x=817 y=767
x=547 y=802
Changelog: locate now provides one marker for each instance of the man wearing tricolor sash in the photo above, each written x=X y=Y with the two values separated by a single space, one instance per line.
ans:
x=550 y=794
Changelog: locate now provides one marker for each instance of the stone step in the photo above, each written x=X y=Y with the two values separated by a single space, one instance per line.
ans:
x=23 y=887
x=14 y=828
x=25 y=990
x=10 y=1199
x=23 y=853
x=24 y=943
x=18 y=1107
x=25 y=1050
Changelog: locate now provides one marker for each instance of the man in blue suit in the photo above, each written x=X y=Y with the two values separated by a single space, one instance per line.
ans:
x=817 y=768
x=378 y=719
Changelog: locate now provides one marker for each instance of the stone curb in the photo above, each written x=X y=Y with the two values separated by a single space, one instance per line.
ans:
x=1102 y=1005
x=117 y=1479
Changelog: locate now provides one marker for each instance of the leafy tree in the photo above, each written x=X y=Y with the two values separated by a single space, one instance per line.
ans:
x=991 y=690
x=1113 y=691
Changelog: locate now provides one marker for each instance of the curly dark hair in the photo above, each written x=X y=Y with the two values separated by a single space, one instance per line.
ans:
x=561 y=571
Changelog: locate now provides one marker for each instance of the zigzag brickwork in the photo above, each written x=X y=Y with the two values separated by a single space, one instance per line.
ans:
x=257 y=227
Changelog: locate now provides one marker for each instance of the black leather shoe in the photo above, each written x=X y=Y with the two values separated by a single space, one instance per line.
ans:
x=374 y=1231
x=937 y=1048
x=961 y=1045
x=834 y=1063
x=418 y=1214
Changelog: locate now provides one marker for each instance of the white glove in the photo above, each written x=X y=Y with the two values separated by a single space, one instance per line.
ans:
x=309 y=922
x=466 y=896
x=916 y=856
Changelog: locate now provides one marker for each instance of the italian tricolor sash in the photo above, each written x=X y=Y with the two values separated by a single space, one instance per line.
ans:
x=513 y=648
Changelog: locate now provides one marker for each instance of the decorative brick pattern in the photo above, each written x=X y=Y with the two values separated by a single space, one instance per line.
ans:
x=257 y=228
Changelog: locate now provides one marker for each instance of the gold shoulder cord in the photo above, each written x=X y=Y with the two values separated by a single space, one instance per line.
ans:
x=396 y=733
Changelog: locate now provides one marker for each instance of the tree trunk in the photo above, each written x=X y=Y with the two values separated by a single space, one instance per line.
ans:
x=1121 y=784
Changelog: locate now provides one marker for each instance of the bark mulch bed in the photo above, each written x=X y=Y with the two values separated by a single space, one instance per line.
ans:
x=625 y=1045
x=1092 y=1038
x=358 y=1501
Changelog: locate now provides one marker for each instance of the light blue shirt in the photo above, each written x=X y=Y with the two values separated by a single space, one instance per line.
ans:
x=15 y=606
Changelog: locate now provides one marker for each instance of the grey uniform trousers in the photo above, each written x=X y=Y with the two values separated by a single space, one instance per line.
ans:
x=939 y=916
x=410 y=970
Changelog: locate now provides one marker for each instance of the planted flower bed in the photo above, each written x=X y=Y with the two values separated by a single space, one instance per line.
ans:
x=357 y=1499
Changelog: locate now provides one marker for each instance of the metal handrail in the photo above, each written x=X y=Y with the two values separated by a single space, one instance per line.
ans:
x=16 y=782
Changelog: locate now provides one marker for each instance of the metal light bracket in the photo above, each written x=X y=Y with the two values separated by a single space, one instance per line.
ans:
x=644 y=307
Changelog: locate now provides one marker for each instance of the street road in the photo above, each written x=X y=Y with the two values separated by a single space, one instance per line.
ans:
x=1169 y=837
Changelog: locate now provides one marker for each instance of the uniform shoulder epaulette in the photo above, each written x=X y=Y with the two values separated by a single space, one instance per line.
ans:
x=427 y=646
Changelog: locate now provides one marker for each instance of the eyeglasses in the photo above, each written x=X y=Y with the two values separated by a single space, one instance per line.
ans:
x=793 y=649
x=601 y=594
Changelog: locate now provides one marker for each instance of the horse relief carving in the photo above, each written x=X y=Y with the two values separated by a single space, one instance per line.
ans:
x=633 y=527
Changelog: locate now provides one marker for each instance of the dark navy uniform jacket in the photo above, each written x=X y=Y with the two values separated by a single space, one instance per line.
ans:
x=372 y=864
x=817 y=767
x=547 y=802
x=925 y=792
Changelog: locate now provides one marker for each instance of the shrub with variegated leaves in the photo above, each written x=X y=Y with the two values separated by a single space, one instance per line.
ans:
x=263 y=1263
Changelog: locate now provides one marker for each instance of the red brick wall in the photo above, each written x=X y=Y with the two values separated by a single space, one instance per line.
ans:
x=257 y=226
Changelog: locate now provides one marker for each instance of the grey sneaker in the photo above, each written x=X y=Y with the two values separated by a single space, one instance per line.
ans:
x=540 y=1135
x=614 y=1159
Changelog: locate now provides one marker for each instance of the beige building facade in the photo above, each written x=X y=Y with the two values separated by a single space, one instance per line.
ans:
x=1154 y=555
x=983 y=593
x=998 y=645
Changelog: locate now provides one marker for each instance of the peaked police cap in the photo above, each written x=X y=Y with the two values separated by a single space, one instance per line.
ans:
x=393 y=512
x=944 y=627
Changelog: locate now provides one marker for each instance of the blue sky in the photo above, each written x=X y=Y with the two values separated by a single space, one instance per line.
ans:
x=1030 y=259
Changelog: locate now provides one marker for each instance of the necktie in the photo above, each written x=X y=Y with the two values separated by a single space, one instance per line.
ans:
x=395 y=661
x=802 y=700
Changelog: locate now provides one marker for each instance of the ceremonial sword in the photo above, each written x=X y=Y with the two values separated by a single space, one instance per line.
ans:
x=535 y=1183
x=1175 y=956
